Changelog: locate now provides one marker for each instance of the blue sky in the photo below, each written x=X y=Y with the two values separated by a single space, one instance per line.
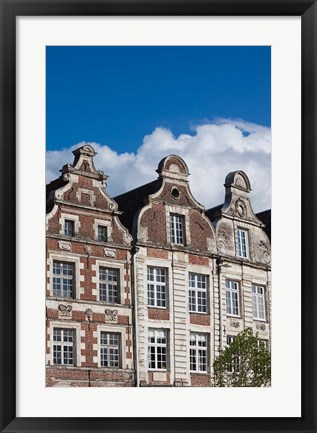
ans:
x=116 y=95
x=136 y=105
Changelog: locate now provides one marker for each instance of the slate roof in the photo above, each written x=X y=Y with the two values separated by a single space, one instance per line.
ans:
x=265 y=217
x=54 y=185
x=132 y=201
x=214 y=212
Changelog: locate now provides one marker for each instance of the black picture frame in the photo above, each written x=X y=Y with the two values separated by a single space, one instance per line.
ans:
x=10 y=9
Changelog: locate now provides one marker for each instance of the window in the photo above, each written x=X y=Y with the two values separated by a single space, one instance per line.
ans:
x=63 y=346
x=156 y=287
x=69 y=228
x=109 y=285
x=198 y=293
x=198 y=352
x=157 y=349
x=177 y=229
x=243 y=246
x=258 y=301
x=234 y=366
x=109 y=349
x=63 y=279
x=102 y=233
x=232 y=297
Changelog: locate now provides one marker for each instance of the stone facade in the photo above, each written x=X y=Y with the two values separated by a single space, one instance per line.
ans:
x=161 y=289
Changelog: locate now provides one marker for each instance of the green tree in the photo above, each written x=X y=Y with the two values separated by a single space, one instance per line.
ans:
x=245 y=362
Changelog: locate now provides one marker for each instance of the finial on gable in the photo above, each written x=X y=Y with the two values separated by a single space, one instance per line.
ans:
x=174 y=167
x=83 y=163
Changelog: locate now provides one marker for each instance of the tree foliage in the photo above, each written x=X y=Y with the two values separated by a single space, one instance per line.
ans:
x=245 y=362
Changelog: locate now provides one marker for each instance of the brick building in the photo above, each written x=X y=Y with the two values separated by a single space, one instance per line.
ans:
x=146 y=288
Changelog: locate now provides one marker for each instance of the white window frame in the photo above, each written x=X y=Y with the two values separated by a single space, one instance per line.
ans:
x=243 y=243
x=113 y=329
x=63 y=257
x=63 y=344
x=109 y=346
x=196 y=291
x=107 y=282
x=256 y=297
x=230 y=290
x=179 y=239
x=69 y=217
x=77 y=345
x=72 y=225
x=194 y=352
x=157 y=333
x=157 y=286
x=64 y=277
x=104 y=223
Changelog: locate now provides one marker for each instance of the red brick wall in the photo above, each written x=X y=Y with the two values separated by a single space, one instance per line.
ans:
x=200 y=319
x=158 y=314
x=200 y=379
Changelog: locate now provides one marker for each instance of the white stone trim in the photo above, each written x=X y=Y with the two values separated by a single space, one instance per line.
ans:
x=78 y=345
x=104 y=223
x=89 y=192
x=123 y=347
x=203 y=270
x=178 y=211
x=68 y=216
x=122 y=282
x=64 y=257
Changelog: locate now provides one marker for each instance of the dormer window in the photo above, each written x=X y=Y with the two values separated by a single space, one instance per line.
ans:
x=177 y=229
x=243 y=243
x=102 y=233
x=69 y=228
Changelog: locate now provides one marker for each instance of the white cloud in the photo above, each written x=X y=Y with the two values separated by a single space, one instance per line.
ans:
x=211 y=152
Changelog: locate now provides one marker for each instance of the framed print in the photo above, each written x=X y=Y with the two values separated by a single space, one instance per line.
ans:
x=174 y=299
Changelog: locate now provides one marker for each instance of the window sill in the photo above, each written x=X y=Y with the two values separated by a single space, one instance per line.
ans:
x=203 y=313
x=198 y=372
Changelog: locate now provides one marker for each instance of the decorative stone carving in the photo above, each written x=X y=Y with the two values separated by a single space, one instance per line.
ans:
x=211 y=245
x=222 y=240
x=265 y=252
x=235 y=323
x=143 y=234
x=87 y=249
x=65 y=310
x=126 y=239
x=65 y=246
x=88 y=313
x=240 y=208
x=261 y=326
x=67 y=177
x=110 y=253
x=111 y=315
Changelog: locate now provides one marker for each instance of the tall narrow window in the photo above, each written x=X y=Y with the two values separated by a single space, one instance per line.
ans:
x=109 y=349
x=109 y=285
x=198 y=352
x=177 y=229
x=63 y=346
x=243 y=243
x=198 y=293
x=102 y=233
x=156 y=287
x=69 y=228
x=258 y=300
x=63 y=279
x=157 y=346
x=232 y=297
